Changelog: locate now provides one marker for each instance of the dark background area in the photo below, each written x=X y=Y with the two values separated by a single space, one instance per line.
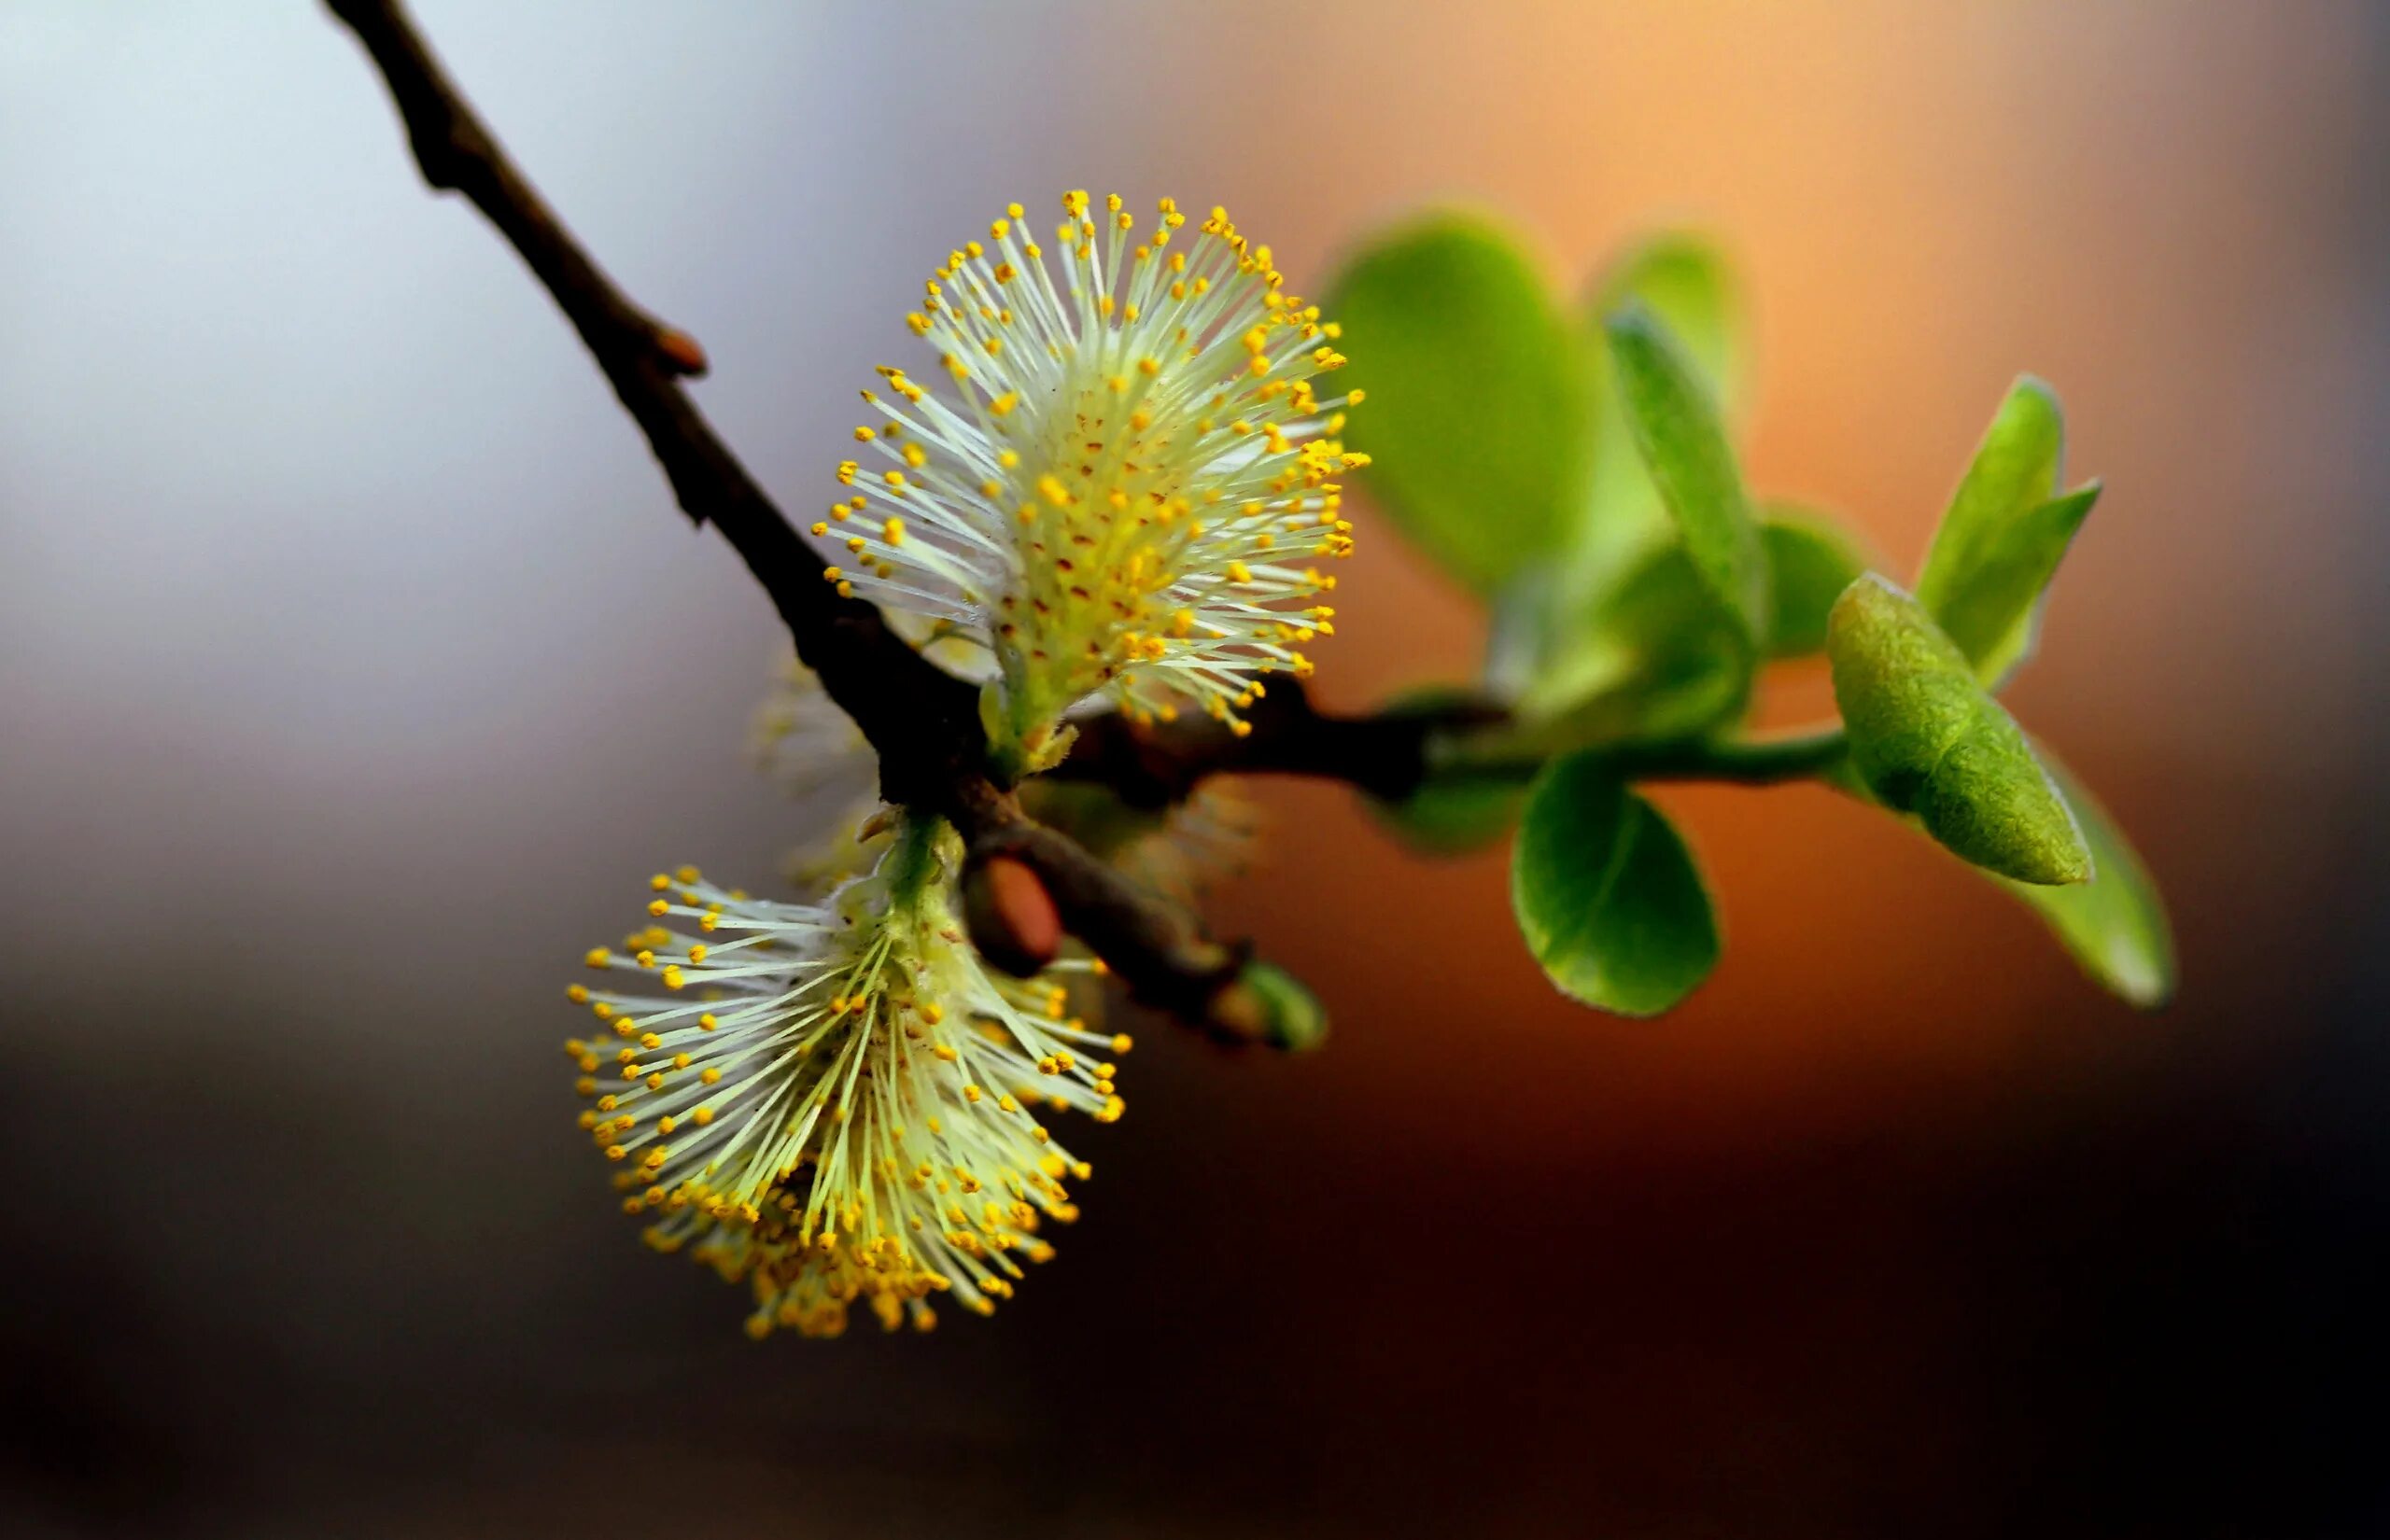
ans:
x=355 y=671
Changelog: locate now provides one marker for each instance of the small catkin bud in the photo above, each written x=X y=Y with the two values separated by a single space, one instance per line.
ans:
x=1268 y=1005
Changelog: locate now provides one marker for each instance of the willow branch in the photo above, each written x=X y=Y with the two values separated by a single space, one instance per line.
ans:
x=923 y=722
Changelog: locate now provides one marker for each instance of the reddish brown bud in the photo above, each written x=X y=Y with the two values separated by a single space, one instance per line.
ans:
x=681 y=351
x=1012 y=918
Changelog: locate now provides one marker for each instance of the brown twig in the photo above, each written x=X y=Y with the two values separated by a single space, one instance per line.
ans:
x=1384 y=753
x=908 y=707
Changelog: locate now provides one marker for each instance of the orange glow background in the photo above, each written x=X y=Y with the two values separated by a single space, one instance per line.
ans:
x=357 y=671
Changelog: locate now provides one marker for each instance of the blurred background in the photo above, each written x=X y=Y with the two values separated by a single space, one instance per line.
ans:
x=355 y=670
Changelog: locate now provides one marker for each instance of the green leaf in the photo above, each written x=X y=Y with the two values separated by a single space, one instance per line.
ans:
x=1685 y=281
x=2017 y=466
x=1660 y=658
x=1996 y=611
x=1929 y=739
x=1453 y=812
x=1479 y=398
x=1550 y=613
x=2114 y=924
x=1684 y=444
x=2006 y=530
x=1809 y=563
x=1269 y=1005
x=1606 y=894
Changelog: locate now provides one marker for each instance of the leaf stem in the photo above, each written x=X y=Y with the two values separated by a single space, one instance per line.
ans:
x=1742 y=762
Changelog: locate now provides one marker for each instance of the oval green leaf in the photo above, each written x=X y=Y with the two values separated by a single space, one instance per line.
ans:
x=1809 y=563
x=1684 y=280
x=1478 y=420
x=2115 y=924
x=1606 y=894
x=1677 y=430
x=1548 y=618
x=2001 y=540
x=1994 y=611
x=1929 y=740
x=1661 y=657
x=1453 y=813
